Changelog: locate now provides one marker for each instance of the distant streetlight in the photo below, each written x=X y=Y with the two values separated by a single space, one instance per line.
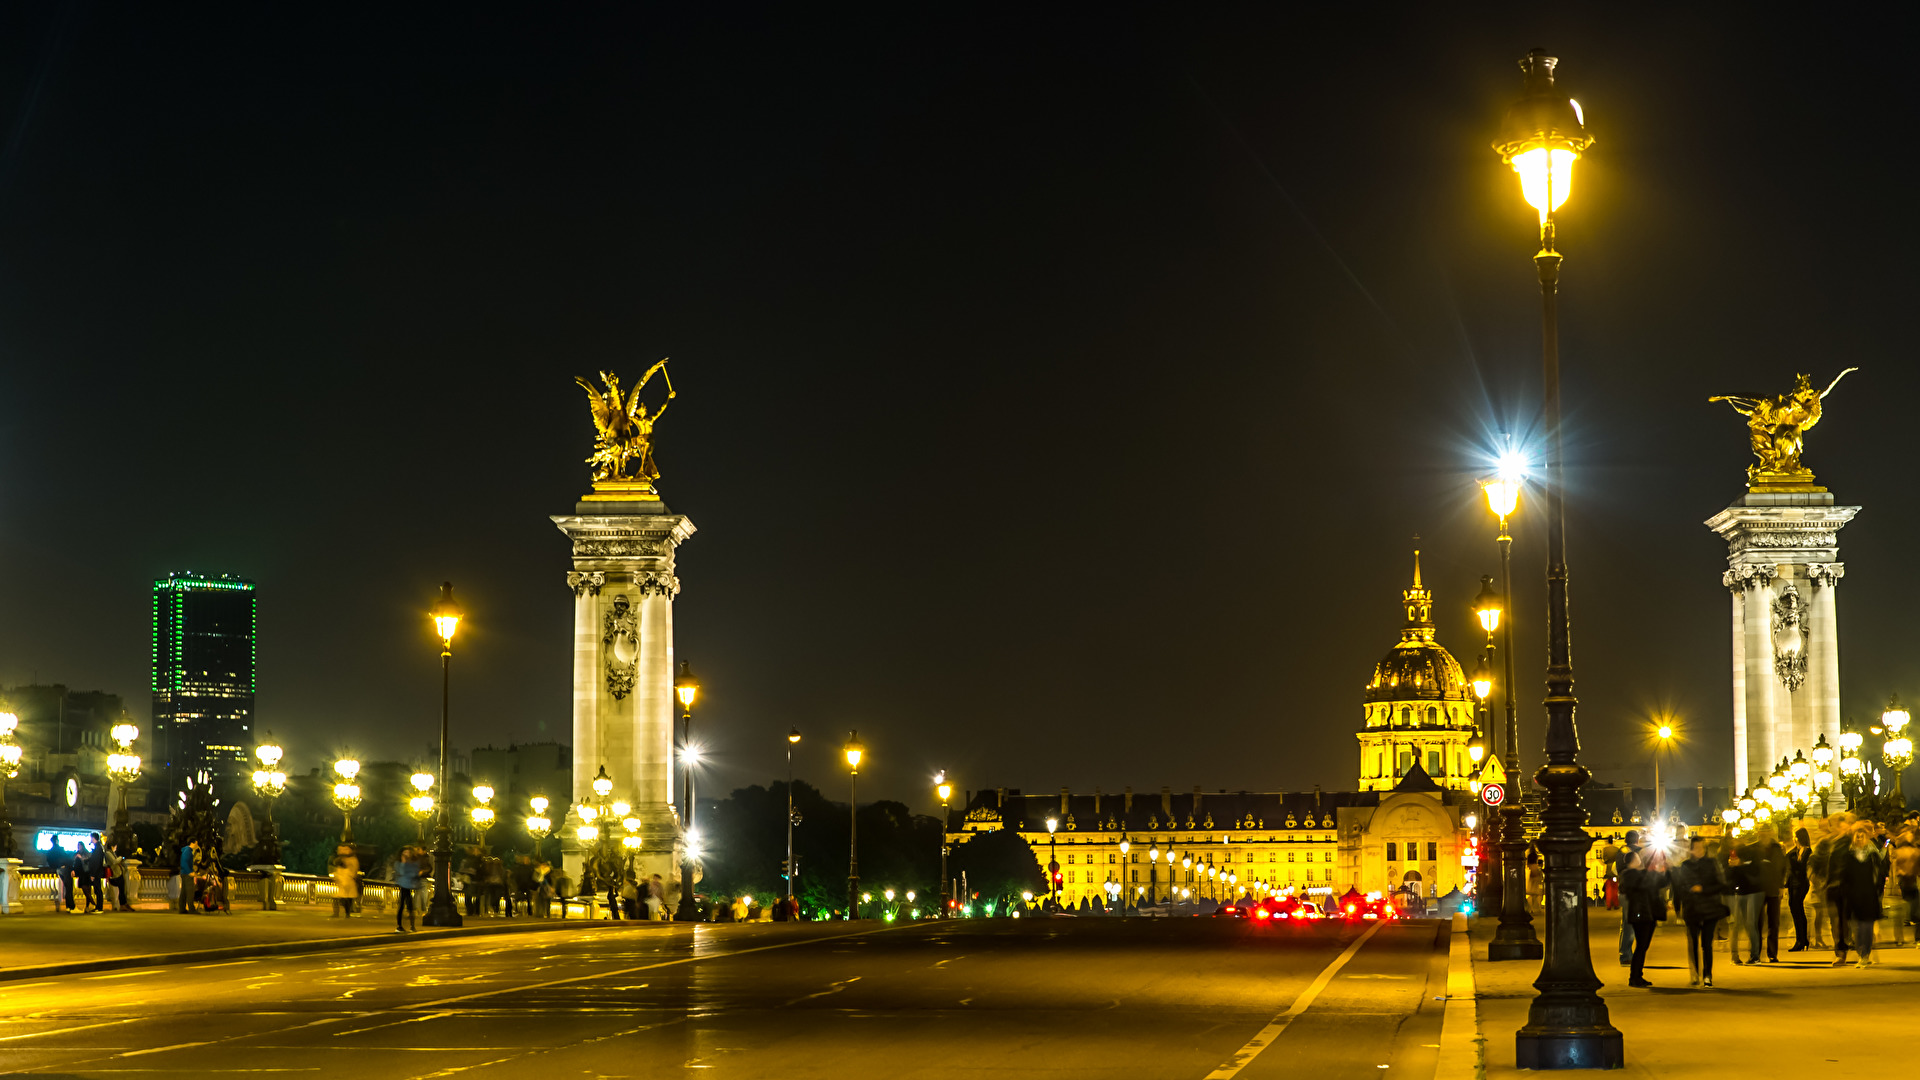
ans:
x=686 y=688
x=1505 y=869
x=1896 y=753
x=945 y=791
x=123 y=766
x=1053 y=864
x=853 y=752
x=441 y=911
x=793 y=818
x=1663 y=737
x=1822 y=771
x=269 y=783
x=539 y=826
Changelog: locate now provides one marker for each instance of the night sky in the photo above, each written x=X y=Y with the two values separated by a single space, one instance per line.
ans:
x=1060 y=389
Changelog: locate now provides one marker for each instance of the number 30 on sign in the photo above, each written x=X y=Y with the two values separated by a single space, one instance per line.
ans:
x=1493 y=794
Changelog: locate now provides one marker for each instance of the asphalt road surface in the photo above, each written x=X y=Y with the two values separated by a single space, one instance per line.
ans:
x=1139 y=998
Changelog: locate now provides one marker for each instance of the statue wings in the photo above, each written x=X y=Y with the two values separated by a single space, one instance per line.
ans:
x=609 y=415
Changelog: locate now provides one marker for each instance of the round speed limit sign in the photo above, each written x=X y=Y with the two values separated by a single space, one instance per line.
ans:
x=1493 y=794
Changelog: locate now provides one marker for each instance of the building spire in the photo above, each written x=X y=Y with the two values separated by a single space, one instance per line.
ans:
x=1419 y=604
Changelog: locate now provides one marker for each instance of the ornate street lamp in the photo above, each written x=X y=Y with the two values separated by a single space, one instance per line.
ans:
x=346 y=794
x=1896 y=753
x=441 y=911
x=421 y=804
x=945 y=791
x=606 y=851
x=1822 y=771
x=1153 y=874
x=539 y=825
x=123 y=767
x=269 y=783
x=1567 y=1025
x=1053 y=864
x=853 y=751
x=686 y=688
x=482 y=813
x=1506 y=871
x=10 y=753
x=1126 y=845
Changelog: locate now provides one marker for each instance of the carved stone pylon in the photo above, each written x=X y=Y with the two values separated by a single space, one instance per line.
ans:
x=623 y=585
x=1783 y=569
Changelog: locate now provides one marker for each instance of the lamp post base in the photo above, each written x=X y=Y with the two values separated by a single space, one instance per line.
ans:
x=1550 y=1049
x=441 y=914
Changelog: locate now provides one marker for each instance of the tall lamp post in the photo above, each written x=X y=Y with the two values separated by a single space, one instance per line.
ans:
x=1896 y=753
x=10 y=753
x=1513 y=939
x=1822 y=771
x=123 y=766
x=793 y=740
x=1053 y=865
x=1853 y=768
x=346 y=794
x=686 y=688
x=945 y=791
x=269 y=783
x=1153 y=875
x=441 y=910
x=1567 y=1024
x=1126 y=883
x=854 y=752
x=1663 y=738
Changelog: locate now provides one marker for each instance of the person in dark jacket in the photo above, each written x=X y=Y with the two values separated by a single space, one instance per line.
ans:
x=1833 y=841
x=1698 y=886
x=1623 y=856
x=1770 y=867
x=1642 y=879
x=1860 y=870
x=1743 y=880
x=1798 y=882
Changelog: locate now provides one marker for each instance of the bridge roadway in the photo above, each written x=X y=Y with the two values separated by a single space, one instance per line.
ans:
x=1141 y=998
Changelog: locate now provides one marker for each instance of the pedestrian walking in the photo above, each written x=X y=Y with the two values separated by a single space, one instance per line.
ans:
x=630 y=895
x=346 y=881
x=406 y=878
x=739 y=909
x=1642 y=879
x=1906 y=873
x=1743 y=880
x=1621 y=858
x=62 y=862
x=656 y=899
x=1799 y=882
x=1770 y=869
x=1698 y=886
x=94 y=861
x=1860 y=869
x=1835 y=838
x=543 y=889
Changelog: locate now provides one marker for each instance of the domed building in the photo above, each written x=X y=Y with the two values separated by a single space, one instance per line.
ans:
x=1419 y=707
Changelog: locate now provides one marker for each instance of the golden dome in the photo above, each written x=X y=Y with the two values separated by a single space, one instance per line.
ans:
x=1417 y=668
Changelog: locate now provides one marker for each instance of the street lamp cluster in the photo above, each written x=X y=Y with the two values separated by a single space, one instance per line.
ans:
x=10 y=753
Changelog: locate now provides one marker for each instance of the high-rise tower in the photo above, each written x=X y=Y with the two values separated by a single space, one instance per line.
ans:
x=203 y=676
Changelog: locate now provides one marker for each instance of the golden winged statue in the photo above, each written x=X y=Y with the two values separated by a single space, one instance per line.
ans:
x=624 y=431
x=1777 y=426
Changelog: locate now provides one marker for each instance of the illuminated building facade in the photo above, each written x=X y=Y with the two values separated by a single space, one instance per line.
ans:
x=204 y=648
x=1418 y=707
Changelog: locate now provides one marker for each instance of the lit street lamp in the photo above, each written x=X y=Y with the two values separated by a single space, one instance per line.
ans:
x=1567 y=1025
x=1822 y=771
x=1853 y=768
x=346 y=794
x=10 y=753
x=269 y=783
x=441 y=910
x=1053 y=864
x=1126 y=845
x=482 y=813
x=123 y=767
x=1663 y=737
x=1896 y=753
x=539 y=825
x=945 y=791
x=793 y=816
x=1506 y=872
x=686 y=688
x=421 y=804
x=1153 y=875
x=854 y=751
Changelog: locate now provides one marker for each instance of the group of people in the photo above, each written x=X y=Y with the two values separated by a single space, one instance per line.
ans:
x=90 y=873
x=1842 y=875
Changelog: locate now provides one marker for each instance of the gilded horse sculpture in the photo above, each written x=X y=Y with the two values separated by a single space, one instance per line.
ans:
x=623 y=430
x=1777 y=426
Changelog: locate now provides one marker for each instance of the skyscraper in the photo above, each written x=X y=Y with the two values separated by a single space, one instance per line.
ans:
x=203 y=677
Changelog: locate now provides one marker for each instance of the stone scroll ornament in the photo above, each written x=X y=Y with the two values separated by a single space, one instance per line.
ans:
x=1789 y=639
x=622 y=640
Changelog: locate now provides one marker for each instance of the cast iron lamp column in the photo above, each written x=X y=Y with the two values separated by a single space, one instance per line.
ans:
x=854 y=752
x=686 y=688
x=1567 y=1024
x=793 y=739
x=1663 y=736
x=1822 y=771
x=945 y=791
x=1896 y=751
x=1130 y=890
x=441 y=910
x=1514 y=938
x=1053 y=865
x=123 y=767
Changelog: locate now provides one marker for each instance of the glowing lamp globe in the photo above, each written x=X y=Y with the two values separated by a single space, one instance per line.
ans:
x=446 y=614
x=422 y=781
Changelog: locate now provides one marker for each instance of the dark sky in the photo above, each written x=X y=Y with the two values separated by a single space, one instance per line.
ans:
x=1060 y=390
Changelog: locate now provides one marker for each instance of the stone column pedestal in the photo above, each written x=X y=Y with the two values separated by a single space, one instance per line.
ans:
x=623 y=584
x=1783 y=551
